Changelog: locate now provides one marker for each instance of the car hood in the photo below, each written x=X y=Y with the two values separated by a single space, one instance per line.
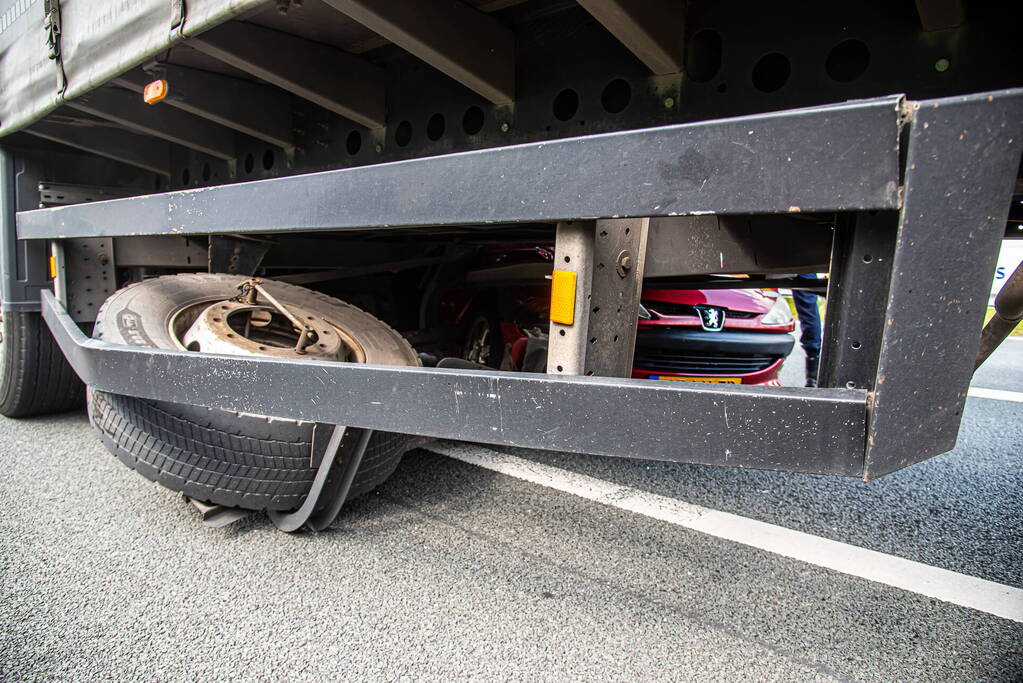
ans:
x=748 y=300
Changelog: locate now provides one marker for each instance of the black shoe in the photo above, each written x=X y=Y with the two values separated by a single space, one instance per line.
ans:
x=812 y=365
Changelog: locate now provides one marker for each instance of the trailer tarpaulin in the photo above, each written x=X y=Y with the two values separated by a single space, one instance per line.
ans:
x=95 y=41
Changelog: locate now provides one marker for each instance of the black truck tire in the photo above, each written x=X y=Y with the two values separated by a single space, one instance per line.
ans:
x=35 y=378
x=221 y=457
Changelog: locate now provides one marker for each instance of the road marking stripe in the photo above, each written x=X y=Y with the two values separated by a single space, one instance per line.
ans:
x=998 y=394
x=933 y=582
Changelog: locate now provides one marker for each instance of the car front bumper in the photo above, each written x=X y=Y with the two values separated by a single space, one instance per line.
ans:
x=728 y=356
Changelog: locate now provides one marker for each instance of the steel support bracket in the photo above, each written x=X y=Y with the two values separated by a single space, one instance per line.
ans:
x=962 y=157
x=236 y=255
x=607 y=258
x=330 y=485
x=89 y=267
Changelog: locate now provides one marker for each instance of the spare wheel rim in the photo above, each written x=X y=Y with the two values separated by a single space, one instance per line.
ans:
x=226 y=326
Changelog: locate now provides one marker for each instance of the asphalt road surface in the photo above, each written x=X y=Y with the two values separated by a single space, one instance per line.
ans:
x=454 y=571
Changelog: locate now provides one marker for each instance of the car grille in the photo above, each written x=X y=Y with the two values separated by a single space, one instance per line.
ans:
x=668 y=308
x=651 y=360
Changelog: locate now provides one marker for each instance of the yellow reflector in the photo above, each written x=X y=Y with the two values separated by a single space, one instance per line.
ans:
x=53 y=268
x=563 y=297
x=155 y=91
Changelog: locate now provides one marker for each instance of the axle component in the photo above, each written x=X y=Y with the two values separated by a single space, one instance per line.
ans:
x=1008 y=314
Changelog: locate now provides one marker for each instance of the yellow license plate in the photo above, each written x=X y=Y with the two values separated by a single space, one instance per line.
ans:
x=707 y=380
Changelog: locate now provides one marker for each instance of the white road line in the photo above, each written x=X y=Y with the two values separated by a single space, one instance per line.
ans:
x=1000 y=394
x=933 y=582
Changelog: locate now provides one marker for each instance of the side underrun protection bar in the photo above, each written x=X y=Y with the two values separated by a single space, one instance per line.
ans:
x=907 y=352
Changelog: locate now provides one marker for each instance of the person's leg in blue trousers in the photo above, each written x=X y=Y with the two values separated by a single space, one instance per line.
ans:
x=810 y=329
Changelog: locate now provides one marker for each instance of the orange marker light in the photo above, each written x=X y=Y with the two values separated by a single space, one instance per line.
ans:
x=155 y=91
x=53 y=268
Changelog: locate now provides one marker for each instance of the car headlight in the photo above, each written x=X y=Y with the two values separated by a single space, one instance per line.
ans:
x=779 y=313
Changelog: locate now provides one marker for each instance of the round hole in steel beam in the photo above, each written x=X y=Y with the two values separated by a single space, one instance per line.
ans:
x=353 y=143
x=472 y=120
x=771 y=72
x=566 y=104
x=268 y=159
x=206 y=172
x=186 y=176
x=403 y=134
x=616 y=96
x=435 y=127
x=703 y=55
x=847 y=61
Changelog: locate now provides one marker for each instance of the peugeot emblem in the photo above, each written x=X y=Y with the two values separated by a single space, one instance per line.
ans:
x=711 y=319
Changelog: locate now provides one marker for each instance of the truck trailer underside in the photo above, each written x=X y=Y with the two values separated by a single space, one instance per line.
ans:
x=370 y=151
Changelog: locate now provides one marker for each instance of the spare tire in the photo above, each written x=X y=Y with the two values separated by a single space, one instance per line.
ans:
x=221 y=457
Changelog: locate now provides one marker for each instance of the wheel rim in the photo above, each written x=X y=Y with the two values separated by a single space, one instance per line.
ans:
x=231 y=327
x=477 y=342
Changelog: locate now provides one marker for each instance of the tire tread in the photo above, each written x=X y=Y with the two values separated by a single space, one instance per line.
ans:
x=37 y=379
x=222 y=457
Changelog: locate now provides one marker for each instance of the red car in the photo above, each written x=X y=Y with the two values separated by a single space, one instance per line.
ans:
x=732 y=336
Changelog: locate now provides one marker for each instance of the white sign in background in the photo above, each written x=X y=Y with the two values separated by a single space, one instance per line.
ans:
x=1008 y=258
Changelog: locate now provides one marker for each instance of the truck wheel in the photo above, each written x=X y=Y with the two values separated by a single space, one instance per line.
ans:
x=35 y=378
x=221 y=457
x=483 y=342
